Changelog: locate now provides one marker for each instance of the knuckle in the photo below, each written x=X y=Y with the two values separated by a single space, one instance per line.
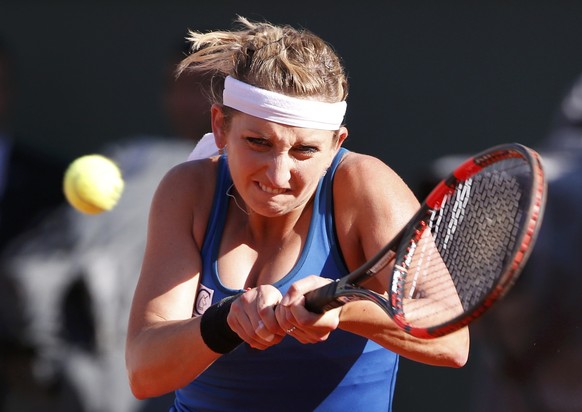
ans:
x=293 y=288
x=265 y=312
x=246 y=298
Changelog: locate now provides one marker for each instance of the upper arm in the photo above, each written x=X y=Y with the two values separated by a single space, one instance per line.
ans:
x=171 y=265
x=372 y=204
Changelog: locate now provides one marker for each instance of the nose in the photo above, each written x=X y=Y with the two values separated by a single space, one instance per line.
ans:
x=279 y=170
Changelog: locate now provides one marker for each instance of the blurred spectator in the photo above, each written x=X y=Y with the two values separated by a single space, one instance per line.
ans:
x=30 y=180
x=530 y=356
x=66 y=288
x=526 y=354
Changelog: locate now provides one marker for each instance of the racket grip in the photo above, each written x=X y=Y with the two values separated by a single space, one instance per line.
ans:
x=323 y=299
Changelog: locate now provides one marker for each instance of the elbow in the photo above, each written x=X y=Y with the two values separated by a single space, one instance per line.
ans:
x=142 y=387
x=138 y=389
x=146 y=381
x=459 y=358
x=458 y=353
x=141 y=383
x=138 y=394
x=449 y=357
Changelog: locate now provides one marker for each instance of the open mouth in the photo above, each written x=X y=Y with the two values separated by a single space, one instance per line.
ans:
x=271 y=190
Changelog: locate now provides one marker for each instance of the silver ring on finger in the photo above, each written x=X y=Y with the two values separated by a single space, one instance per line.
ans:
x=291 y=329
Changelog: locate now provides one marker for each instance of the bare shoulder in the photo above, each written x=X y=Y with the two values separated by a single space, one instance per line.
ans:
x=362 y=163
x=196 y=174
x=371 y=204
x=187 y=192
x=368 y=178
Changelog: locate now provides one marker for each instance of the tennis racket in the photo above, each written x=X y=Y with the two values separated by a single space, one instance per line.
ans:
x=461 y=251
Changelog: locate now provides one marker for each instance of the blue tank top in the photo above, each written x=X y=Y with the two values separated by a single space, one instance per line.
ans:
x=346 y=372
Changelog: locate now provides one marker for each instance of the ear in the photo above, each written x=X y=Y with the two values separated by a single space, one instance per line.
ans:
x=342 y=136
x=218 y=129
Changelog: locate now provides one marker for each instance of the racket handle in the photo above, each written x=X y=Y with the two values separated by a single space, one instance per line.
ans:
x=323 y=299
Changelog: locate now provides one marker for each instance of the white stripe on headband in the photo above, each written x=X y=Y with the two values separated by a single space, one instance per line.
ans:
x=279 y=108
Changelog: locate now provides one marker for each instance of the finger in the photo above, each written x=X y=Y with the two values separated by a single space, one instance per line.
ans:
x=264 y=333
x=316 y=328
x=298 y=289
x=260 y=329
x=305 y=336
x=243 y=317
x=285 y=318
x=267 y=304
x=302 y=329
x=239 y=321
x=263 y=339
x=255 y=339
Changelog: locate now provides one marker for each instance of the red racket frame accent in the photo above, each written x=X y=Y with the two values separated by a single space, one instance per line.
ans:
x=463 y=172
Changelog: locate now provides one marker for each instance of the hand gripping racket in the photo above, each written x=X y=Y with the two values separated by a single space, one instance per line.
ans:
x=461 y=251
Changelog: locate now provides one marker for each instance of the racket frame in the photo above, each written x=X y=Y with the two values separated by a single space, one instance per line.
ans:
x=347 y=288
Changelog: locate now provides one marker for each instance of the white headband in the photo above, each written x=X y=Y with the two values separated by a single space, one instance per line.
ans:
x=279 y=108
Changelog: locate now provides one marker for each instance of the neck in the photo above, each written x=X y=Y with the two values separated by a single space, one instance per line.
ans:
x=233 y=194
x=272 y=230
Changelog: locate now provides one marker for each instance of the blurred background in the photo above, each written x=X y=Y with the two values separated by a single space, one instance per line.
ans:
x=428 y=80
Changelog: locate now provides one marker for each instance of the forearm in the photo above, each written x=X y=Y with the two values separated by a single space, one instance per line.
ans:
x=367 y=319
x=166 y=356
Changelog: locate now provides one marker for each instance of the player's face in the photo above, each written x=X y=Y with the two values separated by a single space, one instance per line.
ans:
x=276 y=168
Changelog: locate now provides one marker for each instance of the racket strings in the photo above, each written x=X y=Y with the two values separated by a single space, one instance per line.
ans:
x=458 y=253
x=477 y=256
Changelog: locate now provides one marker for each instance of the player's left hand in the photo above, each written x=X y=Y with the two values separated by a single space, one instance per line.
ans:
x=297 y=321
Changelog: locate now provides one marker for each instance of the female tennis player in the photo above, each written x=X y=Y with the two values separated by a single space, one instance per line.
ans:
x=236 y=239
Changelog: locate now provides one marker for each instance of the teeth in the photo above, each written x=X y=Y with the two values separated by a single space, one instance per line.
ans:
x=271 y=190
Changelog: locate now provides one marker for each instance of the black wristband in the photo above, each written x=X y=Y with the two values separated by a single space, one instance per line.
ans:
x=216 y=333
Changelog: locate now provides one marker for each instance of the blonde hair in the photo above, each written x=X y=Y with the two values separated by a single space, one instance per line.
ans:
x=277 y=58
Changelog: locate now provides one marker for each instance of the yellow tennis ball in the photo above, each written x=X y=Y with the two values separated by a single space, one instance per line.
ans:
x=93 y=184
